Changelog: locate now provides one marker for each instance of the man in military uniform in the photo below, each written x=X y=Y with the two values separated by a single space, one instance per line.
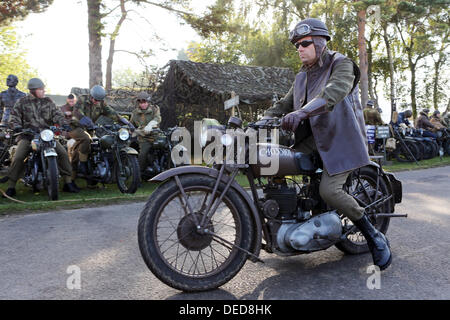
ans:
x=9 y=97
x=323 y=109
x=371 y=115
x=437 y=121
x=423 y=122
x=145 y=117
x=37 y=112
x=86 y=111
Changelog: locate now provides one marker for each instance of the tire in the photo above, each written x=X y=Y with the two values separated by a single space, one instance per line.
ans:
x=355 y=242
x=403 y=155
x=151 y=229
x=52 y=178
x=128 y=181
x=446 y=146
x=429 y=150
x=422 y=148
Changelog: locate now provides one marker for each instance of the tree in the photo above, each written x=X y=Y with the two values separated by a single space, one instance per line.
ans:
x=95 y=28
x=12 y=59
x=18 y=9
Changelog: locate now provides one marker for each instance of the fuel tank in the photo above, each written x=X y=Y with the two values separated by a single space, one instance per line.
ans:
x=278 y=160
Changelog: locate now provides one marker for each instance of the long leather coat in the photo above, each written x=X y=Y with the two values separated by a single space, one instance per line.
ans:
x=340 y=133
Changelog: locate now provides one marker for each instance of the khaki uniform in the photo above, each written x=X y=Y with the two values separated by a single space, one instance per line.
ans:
x=84 y=107
x=32 y=113
x=140 y=118
x=437 y=122
x=372 y=117
x=336 y=86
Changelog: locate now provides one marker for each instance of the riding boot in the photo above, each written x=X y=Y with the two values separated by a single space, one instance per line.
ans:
x=69 y=187
x=10 y=192
x=377 y=242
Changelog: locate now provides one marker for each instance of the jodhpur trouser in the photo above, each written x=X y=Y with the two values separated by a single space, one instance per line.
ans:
x=331 y=187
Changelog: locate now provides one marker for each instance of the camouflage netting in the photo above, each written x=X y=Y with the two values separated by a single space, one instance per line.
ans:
x=191 y=91
x=188 y=91
x=122 y=100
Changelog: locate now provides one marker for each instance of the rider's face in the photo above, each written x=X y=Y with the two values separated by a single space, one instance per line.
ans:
x=308 y=54
x=143 y=104
x=40 y=93
x=71 y=102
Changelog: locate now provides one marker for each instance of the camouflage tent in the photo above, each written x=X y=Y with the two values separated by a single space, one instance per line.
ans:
x=191 y=91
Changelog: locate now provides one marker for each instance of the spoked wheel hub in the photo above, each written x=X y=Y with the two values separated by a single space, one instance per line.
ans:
x=191 y=237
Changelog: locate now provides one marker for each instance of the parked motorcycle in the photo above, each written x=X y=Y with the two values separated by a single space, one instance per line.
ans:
x=112 y=160
x=200 y=226
x=41 y=166
x=7 y=138
x=159 y=158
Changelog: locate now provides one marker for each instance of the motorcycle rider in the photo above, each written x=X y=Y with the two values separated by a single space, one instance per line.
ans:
x=37 y=112
x=145 y=118
x=9 y=97
x=86 y=111
x=324 y=96
x=403 y=118
x=437 y=121
x=423 y=122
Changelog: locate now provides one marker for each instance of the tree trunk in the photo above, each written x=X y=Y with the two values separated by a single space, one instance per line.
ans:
x=412 y=68
x=391 y=70
x=370 y=82
x=363 y=65
x=112 y=43
x=95 y=43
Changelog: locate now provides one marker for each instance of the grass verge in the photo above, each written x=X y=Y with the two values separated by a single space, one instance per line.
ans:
x=110 y=194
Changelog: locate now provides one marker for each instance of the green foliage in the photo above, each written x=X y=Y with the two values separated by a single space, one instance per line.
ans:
x=18 y=9
x=12 y=59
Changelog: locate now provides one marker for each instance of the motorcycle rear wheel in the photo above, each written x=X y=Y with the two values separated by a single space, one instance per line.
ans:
x=52 y=178
x=364 y=185
x=176 y=252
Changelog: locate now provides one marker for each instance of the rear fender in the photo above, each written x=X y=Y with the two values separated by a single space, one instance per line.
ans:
x=256 y=244
x=393 y=183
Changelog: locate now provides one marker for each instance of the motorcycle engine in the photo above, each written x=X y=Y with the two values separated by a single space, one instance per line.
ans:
x=293 y=228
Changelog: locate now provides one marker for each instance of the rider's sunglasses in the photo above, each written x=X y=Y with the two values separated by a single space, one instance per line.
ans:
x=304 y=43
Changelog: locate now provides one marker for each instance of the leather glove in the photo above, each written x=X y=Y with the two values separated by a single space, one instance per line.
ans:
x=149 y=127
x=291 y=121
x=87 y=122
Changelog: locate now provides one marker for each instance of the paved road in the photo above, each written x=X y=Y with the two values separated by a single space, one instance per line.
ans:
x=37 y=251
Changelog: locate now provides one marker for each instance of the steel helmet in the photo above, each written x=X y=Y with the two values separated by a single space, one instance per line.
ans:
x=98 y=93
x=370 y=103
x=309 y=27
x=35 y=83
x=143 y=96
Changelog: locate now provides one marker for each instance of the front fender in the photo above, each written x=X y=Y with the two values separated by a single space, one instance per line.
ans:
x=50 y=152
x=129 y=150
x=193 y=169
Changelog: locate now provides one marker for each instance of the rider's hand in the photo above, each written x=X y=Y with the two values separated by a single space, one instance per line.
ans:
x=291 y=121
x=149 y=127
x=87 y=122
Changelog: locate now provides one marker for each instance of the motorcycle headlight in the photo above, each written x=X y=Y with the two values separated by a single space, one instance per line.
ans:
x=124 y=134
x=206 y=123
x=47 y=135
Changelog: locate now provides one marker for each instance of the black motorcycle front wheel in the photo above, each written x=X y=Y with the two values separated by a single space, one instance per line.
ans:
x=129 y=177
x=52 y=178
x=371 y=192
x=176 y=251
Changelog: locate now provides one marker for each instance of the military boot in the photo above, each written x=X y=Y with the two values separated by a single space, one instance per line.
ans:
x=377 y=242
x=70 y=187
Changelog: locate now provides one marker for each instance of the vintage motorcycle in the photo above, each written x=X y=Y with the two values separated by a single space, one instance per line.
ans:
x=41 y=165
x=7 y=138
x=112 y=160
x=200 y=226
x=159 y=158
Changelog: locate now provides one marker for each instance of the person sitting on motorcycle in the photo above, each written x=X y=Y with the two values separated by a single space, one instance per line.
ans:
x=423 y=122
x=37 y=112
x=145 y=117
x=85 y=112
x=322 y=108
x=437 y=121
x=403 y=118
